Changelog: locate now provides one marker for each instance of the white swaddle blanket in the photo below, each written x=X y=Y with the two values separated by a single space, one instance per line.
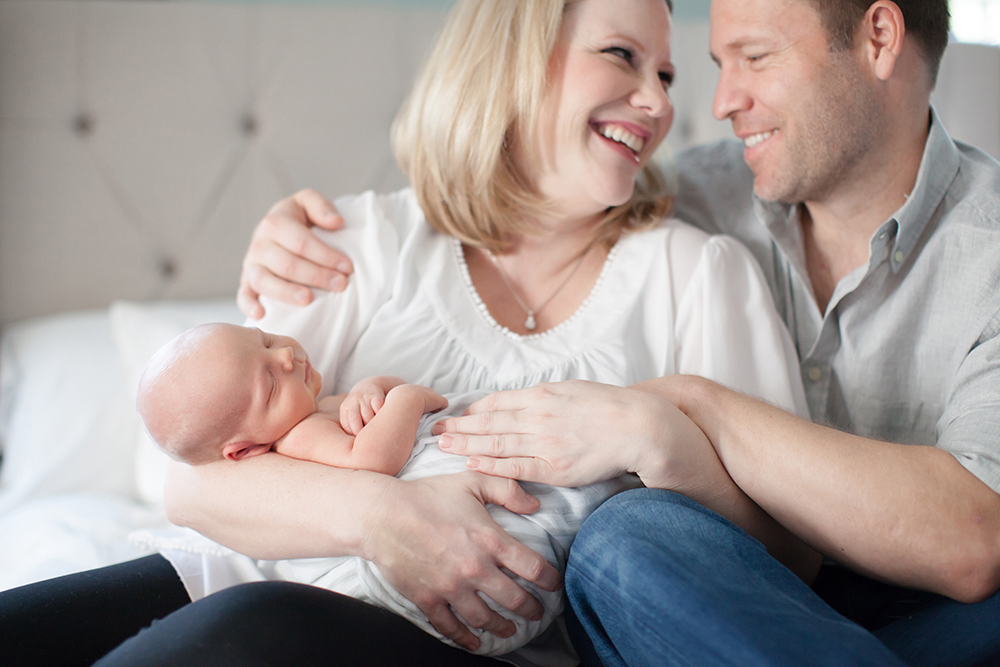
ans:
x=549 y=531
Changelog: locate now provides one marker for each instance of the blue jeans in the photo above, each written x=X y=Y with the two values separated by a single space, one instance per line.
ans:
x=654 y=578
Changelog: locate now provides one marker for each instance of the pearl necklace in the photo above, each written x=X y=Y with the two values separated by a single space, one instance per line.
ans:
x=529 y=322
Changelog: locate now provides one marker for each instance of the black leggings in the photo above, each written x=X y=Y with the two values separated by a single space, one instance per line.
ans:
x=141 y=608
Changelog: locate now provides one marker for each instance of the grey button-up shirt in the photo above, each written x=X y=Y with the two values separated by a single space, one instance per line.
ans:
x=908 y=350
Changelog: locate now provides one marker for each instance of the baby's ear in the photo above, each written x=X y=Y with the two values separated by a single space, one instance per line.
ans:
x=241 y=450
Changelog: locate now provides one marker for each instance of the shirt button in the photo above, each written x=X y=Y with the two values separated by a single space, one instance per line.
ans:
x=898 y=257
x=815 y=373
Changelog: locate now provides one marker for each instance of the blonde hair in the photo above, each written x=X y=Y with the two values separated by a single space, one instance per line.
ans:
x=483 y=83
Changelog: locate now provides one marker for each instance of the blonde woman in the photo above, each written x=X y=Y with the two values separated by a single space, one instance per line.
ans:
x=531 y=249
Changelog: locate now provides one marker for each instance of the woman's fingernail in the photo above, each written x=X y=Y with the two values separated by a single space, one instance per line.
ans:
x=338 y=283
x=445 y=442
x=344 y=267
x=472 y=463
x=302 y=297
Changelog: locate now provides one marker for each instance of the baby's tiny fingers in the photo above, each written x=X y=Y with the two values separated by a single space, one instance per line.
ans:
x=367 y=413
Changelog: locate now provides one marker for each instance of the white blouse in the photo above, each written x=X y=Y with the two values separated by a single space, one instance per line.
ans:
x=670 y=300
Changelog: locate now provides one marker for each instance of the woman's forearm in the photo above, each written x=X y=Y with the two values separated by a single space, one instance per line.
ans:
x=275 y=507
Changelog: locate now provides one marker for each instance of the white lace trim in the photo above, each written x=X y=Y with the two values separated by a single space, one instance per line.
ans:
x=478 y=301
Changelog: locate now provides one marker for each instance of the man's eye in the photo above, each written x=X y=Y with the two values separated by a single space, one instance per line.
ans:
x=622 y=52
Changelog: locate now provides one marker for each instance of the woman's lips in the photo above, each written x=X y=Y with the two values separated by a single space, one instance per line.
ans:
x=621 y=138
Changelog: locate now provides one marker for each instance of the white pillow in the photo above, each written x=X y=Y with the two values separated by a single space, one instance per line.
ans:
x=139 y=330
x=65 y=417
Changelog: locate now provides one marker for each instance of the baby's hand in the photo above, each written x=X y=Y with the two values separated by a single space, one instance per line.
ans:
x=433 y=401
x=364 y=400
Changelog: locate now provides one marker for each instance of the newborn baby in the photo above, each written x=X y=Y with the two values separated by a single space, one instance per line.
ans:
x=221 y=391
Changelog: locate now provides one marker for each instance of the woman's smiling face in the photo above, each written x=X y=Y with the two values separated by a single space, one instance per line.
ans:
x=606 y=106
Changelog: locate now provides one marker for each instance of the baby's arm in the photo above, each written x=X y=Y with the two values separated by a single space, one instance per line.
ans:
x=383 y=445
x=365 y=399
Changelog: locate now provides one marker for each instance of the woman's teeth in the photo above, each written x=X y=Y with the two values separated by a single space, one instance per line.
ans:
x=755 y=139
x=623 y=136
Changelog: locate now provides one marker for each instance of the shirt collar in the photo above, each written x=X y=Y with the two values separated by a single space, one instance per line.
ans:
x=938 y=169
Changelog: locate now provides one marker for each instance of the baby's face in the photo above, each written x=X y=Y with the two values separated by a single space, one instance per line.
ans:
x=274 y=375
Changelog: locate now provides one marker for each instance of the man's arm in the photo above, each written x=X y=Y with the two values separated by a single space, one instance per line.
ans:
x=911 y=515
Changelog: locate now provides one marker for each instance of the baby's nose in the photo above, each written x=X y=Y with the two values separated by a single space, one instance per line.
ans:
x=288 y=358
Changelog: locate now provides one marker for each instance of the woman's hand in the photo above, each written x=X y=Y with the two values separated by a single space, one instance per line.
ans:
x=285 y=258
x=435 y=542
x=576 y=432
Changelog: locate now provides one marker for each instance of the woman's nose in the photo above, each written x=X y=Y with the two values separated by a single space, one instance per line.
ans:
x=653 y=97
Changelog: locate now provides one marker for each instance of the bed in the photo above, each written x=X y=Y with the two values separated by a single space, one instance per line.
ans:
x=139 y=144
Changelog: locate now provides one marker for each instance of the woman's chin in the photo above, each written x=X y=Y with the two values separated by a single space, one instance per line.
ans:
x=616 y=196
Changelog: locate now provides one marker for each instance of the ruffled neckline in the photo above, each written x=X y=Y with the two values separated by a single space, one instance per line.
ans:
x=562 y=327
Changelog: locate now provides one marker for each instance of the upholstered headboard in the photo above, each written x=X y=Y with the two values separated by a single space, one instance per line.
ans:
x=140 y=142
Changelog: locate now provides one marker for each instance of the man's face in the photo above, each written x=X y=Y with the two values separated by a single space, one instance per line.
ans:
x=808 y=117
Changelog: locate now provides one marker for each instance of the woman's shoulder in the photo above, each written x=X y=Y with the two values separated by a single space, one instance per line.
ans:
x=398 y=209
x=688 y=250
x=375 y=224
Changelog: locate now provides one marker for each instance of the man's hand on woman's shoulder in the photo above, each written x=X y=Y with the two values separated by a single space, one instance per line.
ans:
x=286 y=259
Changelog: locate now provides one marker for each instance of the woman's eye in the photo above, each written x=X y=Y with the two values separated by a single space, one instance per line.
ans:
x=622 y=52
x=667 y=79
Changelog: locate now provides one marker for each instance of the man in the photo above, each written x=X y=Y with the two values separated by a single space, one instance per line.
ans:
x=881 y=242
x=880 y=238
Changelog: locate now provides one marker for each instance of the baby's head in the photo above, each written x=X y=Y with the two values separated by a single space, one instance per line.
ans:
x=224 y=391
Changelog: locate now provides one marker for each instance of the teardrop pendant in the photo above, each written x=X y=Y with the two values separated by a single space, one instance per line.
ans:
x=529 y=323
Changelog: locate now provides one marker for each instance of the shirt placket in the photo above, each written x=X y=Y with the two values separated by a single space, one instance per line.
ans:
x=818 y=335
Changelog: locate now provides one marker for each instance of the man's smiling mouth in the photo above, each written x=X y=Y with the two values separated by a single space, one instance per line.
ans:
x=755 y=139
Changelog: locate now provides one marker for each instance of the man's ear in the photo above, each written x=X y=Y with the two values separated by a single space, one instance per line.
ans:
x=881 y=34
x=235 y=451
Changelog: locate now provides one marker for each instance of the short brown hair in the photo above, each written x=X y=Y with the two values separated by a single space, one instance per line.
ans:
x=926 y=20
x=482 y=86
